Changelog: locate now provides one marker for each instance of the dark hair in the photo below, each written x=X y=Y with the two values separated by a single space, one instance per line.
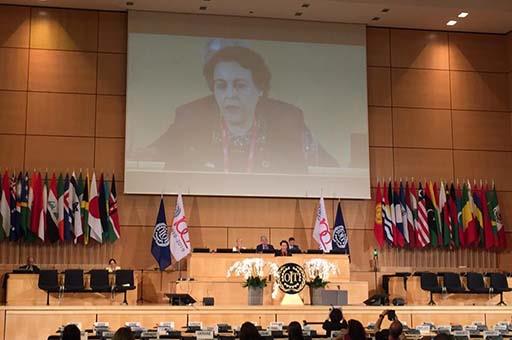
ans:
x=291 y=239
x=284 y=241
x=395 y=329
x=356 y=330
x=249 y=332
x=336 y=315
x=124 y=333
x=246 y=58
x=71 y=332
x=112 y=259
x=295 y=331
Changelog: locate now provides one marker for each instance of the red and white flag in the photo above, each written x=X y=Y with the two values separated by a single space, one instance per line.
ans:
x=180 y=239
x=93 y=218
x=322 y=231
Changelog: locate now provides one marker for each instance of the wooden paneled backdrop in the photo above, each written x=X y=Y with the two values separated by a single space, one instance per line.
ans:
x=439 y=108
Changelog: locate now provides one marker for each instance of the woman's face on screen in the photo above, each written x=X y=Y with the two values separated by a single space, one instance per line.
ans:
x=235 y=92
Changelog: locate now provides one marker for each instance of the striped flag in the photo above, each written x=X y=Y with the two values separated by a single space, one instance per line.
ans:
x=387 y=217
x=412 y=214
x=421 y=225
x=41 y=227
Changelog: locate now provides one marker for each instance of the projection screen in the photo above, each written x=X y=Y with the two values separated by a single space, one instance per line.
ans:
x=245 y=107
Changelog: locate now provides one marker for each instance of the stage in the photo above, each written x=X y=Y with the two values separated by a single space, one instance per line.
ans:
x=37 y=322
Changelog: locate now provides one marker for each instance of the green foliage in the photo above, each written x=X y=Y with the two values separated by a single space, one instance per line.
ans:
x=255 y=281
x=317 y=282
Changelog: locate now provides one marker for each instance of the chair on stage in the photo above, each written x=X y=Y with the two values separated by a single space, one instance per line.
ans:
x=49 y=282
x=499 y=285
x=100 y=282
x=452 y=283
x=124 y=282
x=475 y=283
x=74 y=280
x=428 y=282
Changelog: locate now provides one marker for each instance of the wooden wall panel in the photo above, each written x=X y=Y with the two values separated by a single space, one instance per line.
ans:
x=381 y=164
x=421 y=88
x=377 y=46
x=13 y=106
x=109 y=156
x=110 y=116
x=379 y=86
x=60 y=114
x=14 y=26
x=484 y=165
x=380 y=127
x=112 y=74
x=479 y=91
x=62 y=71
x=64 y=29
x=419 y=49
x=423 y=128
x=423 y=164
x=12 y=151
x=135 y=248
x=13 y=69
x=477 y=130
x=212 y=238
x=112 y=35
x=44 y=152
x=478 y=52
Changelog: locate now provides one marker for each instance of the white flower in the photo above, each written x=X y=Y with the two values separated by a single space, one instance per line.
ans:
x=321 y=268
x=252 y=267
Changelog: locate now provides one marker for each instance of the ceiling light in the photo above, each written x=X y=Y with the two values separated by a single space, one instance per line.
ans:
x=463 y=14
x=129 y=3
x=298 y=14
x=202 y=8
x=451 y=23
x=305 y=5
x=385 y=10
x=375 y=19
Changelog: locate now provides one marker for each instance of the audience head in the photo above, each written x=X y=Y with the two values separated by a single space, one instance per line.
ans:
x=71 y=332
x=124 y=333
x=356 y=330
x=249 y=332
x=295 y=331
x=395 y=330
x=263 y=239
x=291 y=241
x=284 y=245
x=336 y=315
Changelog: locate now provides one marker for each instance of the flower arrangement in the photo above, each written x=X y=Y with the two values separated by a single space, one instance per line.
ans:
x=318 y=272
x=252 y=270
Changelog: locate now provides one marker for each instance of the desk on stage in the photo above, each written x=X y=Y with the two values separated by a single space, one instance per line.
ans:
x=206 y=274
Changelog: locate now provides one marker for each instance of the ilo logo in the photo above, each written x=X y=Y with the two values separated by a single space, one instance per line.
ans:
x=291 y=278
x=160 y=235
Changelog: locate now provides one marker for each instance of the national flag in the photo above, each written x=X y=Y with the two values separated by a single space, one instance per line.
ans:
x=102 y=204
x=94 y=222
x=412 y=215
x=489 y=235
x=36 y=195
x=5 y=207
x=15 y=233
x=468 y=218
x=321 y=230
x=60 y=206
x=160 y=248
x=378 y=227
x=25 y=209
x=398 y=232
x=68 y=214
x=432 y=215
x=84 y=210
x=52 y=216
x=496 y=220
x=422 y=227
x=438 y=211
x=114 y=228
x=180 y=238
x=479 y=218
x=339 y=233
x=388 y=215
x=403 y=209
x=458 y=202
x=41 y=225
x=75 y=208
x=445 y=220
x=454 y=216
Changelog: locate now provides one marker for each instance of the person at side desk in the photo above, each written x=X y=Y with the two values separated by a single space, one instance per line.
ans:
x=264 y=245
x=284 y=249
x=30 y=266
x=112 y=266
x=294 y=248
x=238 y=246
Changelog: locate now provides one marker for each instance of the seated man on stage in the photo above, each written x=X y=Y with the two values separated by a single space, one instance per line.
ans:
x=293 y=248
x=30 y=266
x=284 y=250
x=112 y=266
x=264 y=245
x=238 y=246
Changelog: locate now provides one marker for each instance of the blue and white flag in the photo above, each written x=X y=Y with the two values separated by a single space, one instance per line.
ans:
x=339 y=233
x=160 y=245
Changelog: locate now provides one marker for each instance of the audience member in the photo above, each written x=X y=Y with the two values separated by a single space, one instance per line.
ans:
x=395 y=328
x=124 y=333
x=295 y=331
x=355 y=330
x=249 y=332
x=264 y=245
x=71 y=332
x=283 y=251
x=336 y=322
x=30 y=266
x=112 y=266
x=293 y=248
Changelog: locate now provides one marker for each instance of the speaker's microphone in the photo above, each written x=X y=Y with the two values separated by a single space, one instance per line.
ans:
x=375 y=253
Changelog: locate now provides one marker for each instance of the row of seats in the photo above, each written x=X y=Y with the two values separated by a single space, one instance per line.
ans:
x=74 y=282
x=475 y=284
